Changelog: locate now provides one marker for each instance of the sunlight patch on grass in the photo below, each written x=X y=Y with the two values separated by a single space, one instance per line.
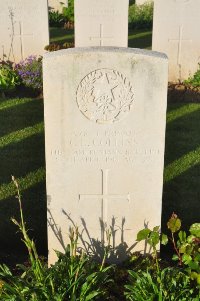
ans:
x=17 y=136
x=14 y=102
x=141 y=34
x=60 y=39
x=181 y=165
x=182 y=111
x=31 y=179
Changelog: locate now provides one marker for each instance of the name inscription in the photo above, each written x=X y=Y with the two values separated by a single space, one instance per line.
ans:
x=105 y=147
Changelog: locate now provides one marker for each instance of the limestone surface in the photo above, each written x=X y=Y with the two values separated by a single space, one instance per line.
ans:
x=176 y=33
x=24 y=28
x=101 y=23
x=105 y=137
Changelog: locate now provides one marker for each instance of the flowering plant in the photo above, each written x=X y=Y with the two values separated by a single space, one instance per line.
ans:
x=30 y=72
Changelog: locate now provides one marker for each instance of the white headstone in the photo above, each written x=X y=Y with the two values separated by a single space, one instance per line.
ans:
x=176 y=33
x=24 y=28
x=57 y=5
x=101 y=23
x=105 y=133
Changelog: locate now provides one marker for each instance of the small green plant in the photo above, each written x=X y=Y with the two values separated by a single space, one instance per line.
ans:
x=74 y=277
x=68 y=12
x=187 y=247
x=194 y=81
x=165 y=284
x=172 y=284
x=141 y=16
x=153 y=237
x=9 y=78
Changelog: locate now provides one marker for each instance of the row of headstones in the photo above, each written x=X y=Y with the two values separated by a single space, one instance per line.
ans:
x=57 y=5
x=104 y=23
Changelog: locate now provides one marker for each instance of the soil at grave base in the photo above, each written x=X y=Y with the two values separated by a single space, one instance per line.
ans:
x=22 y=91
x=11 y=258
x=178 y=92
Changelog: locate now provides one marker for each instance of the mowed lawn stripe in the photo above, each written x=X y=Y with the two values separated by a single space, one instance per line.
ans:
x=181 y=165
x=14 y=102
x=17 y=136
x=182 y=111
x=31 y=179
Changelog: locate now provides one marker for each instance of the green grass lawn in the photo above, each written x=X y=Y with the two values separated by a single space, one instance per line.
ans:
x=136 y=38
x=61 y=35
x=182 y=163
x=22 y=155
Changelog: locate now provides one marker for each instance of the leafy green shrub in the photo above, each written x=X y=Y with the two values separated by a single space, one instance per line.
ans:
x=56 y=19
x=167 y=284
x=187 y=248
x=30 y=72
x=152 y=237
x=194 y=81
x=68 y=12
x=9 y=78
x=141 y=16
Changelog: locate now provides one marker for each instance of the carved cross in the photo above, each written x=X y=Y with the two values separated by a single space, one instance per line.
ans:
x=104 y=196
x=21 y=36
x=101 y=36
x=180 y=40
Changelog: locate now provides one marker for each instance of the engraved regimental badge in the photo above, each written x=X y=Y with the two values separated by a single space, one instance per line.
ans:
x=105 y=96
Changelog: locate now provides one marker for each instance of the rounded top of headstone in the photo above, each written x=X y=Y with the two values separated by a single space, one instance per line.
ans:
x=81 y=50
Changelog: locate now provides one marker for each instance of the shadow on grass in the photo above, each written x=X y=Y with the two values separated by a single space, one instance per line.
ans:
x=182 y=132
x=136 y=38
x=182 y=196
x=61 y=35
x=181 y=191
x=140 y=39
x=20 y=116
x=34 y=209
x=18 y=159
x=22 y=155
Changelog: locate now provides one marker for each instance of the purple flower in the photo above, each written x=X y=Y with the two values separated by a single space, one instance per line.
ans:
x=30 y=71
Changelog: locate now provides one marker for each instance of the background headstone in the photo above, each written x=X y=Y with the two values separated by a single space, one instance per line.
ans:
x=105 y=133
x=57 y=5
x=176 y=32
x=101 y=23
x=24 y=28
